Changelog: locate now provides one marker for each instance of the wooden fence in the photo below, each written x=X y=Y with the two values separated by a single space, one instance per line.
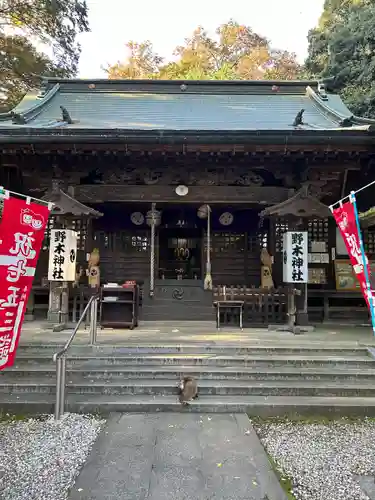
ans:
x=261 y=306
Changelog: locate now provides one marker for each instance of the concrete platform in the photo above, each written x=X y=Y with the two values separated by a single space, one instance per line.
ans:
x=172 y=333
x=179 y=457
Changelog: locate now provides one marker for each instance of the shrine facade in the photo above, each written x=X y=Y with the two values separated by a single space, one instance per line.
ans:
x=180 y=186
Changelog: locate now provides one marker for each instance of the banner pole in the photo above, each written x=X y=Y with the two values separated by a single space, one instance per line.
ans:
x=5 y=193
x=364 y=260
x=351 y=193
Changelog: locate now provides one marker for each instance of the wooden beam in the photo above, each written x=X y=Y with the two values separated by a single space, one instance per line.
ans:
x=197 y=194
x=184 y=149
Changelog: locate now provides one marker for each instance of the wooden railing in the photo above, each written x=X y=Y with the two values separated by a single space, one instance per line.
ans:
x=261 y=306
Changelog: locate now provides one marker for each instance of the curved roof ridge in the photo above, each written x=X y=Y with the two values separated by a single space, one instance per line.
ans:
x=35 y=109
x=334 y=113
x=54 y=80
x=95 y=86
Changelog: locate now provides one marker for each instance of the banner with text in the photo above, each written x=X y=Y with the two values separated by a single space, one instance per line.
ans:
x=346 y=220
x=22 y=229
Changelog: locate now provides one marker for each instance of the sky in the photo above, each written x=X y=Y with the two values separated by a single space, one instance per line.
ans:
x=168 y=22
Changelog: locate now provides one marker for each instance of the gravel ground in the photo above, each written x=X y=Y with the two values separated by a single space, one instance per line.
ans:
x=322 y=459
x=40 y=458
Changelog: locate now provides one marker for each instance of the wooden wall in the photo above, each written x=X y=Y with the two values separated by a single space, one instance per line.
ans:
x=124 y=254
x=235 y=256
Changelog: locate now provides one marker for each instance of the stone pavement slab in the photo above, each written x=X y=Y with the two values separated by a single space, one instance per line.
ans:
x=367 y=484
x=177 y=457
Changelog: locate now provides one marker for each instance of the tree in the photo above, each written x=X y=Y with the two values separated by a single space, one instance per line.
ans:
x=142 y=62
x=343 y=46
x=24 y=24
x=236 y=52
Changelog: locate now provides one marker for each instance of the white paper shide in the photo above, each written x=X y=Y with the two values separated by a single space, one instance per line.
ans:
x=295 y=257
x=62 y=255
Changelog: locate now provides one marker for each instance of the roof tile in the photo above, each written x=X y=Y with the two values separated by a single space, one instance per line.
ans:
x=240 y=109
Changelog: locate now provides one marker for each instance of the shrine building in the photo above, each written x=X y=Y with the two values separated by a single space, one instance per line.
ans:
x=180 y=185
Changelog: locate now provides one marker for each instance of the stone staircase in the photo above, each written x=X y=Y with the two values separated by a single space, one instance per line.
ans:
x=262 y=380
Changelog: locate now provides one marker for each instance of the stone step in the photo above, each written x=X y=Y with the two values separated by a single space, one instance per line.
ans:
x=77 y=374
x=258 y=349
x=177 y=317
x=193 y=303
x=254 y=405
x=151 y=387
x=169 y=324
x=208 y=359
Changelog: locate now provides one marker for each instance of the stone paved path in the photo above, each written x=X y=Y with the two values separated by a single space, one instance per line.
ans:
x=172 y=333
x=177 y=457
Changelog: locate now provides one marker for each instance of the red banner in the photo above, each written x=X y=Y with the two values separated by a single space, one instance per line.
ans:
x=22 y=229
x=346 y=221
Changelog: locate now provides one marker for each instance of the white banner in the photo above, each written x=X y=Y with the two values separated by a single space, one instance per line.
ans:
x=295 y=257
x=62 y=255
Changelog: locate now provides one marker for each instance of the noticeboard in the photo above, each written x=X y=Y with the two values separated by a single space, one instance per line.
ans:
x=345 y=277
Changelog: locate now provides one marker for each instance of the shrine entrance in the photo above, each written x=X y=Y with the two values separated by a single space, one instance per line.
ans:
x=180 y=254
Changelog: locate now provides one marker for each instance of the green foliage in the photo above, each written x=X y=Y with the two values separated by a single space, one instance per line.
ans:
x=343 y=46
x=236 y=52
x=26 y=24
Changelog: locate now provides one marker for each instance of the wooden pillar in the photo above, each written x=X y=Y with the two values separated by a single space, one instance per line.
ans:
x=246 y=260
x=54 y=302
x=271 y=247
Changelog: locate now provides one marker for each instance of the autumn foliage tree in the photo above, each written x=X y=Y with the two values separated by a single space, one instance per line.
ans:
x=27 y=24
x=236 y=52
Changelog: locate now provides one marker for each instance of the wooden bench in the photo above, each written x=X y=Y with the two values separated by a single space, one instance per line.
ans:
x=326 y=310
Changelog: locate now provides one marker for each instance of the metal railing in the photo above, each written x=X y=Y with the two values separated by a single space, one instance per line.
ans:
x=60 y=357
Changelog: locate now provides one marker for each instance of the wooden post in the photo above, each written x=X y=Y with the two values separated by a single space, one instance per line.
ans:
x=54 y=302
x=29 y=315
x=291 y=308
x=302 y=318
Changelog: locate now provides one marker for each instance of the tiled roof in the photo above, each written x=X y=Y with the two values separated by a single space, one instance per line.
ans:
x=179 y=106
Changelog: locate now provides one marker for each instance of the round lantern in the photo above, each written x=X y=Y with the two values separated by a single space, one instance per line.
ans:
x=203 y=212
x=153 y=217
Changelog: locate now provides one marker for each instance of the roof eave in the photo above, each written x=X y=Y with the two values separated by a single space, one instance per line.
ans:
x=318 y=209
x=33 y=111
x=334 y=114
x=59 y=199
x=367 y=219
x=111 y=136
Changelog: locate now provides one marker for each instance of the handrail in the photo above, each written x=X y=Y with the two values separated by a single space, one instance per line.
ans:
x=60 y=357
x=70 y=340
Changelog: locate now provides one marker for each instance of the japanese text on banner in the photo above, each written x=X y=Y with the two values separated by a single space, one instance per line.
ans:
x=295 y=262
x=22 y=229
x=345 y=219
x=62 y=255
